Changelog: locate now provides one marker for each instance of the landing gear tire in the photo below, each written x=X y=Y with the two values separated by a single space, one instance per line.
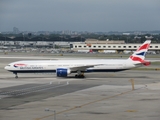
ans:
x=79 y=76
x=76 y=76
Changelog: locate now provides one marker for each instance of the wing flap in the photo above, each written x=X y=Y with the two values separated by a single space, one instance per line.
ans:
x=81 y=68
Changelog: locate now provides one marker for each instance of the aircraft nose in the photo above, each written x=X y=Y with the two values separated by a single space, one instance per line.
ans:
x=6 y=67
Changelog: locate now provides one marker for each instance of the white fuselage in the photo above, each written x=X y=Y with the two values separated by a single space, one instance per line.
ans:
x=110 y=65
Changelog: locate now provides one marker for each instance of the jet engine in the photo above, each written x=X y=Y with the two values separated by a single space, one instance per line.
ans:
x=63 y=72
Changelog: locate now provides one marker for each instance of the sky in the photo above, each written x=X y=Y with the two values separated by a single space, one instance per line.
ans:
x=80 y=15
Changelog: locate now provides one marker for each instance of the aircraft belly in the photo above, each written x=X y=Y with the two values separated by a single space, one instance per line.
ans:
x=32 y=71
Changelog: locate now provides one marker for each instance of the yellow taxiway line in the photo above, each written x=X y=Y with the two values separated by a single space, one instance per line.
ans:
x=80 y=106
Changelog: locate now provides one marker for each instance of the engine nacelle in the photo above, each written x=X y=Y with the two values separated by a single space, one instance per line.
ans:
x=63 y=72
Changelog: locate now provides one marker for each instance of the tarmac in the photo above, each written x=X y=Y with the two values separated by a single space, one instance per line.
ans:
x=99 y=96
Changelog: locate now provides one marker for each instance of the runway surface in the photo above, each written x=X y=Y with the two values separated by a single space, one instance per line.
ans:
x=97 y=96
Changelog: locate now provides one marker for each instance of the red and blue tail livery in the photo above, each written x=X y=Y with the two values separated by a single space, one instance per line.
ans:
x=139 y=55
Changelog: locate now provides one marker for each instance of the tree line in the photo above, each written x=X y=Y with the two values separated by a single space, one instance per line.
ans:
x=77 y=38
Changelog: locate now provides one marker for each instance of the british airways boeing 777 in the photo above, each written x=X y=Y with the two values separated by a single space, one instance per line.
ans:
x=63 y=68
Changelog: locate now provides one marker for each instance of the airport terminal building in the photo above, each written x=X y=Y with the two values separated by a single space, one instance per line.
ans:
x=101 y=46
x=118 y=46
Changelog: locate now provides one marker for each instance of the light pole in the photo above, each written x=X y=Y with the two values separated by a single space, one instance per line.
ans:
x=24 y=41
x=5 y=38
x=47 y=109
x=23 y=37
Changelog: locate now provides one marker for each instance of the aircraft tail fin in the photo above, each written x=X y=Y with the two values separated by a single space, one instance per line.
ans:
x=139 y=55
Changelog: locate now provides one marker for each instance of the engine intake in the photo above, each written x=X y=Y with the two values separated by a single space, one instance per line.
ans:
x=62 y=72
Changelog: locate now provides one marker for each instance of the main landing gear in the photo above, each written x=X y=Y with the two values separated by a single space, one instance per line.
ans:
x=79 y=74
x=16 y=76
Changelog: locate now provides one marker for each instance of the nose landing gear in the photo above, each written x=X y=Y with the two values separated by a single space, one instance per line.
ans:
x=16 y=76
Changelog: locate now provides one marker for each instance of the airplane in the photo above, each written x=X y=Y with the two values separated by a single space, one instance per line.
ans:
x=63 y=68
x=85 y=51
x=110 y=51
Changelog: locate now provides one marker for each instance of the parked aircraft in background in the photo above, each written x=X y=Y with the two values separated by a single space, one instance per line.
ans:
x=110 y=51
x=63 y=68
x=127 y=51
x=85 y=51
x=151 y=52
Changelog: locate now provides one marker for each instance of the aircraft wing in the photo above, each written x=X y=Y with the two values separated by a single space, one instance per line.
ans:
x=82 y=68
